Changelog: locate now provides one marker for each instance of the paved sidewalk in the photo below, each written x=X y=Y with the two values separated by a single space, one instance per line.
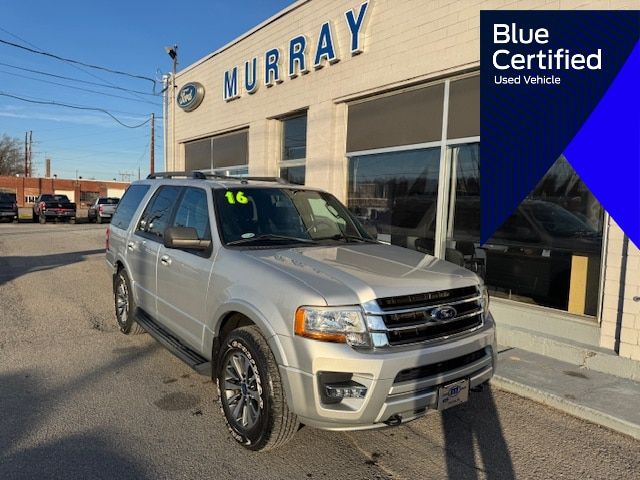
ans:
x=600 y=398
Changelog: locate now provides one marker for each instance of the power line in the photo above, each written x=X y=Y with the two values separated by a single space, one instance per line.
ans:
x=77 y=88
x=136 y=114
x=77 y=62
x=80 y=69
x=63 y=77
x=77 y=107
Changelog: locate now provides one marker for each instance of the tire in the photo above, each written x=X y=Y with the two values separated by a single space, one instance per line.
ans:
x=98 y=219
x=72 y=221
x=42 y=219
x=125 y=305
x=34 y=217
x=248 y=381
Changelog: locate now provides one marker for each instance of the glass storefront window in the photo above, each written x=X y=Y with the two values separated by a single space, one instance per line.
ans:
x=547 y=253
x=294 y=148
x=294 y=137
x=395 y=194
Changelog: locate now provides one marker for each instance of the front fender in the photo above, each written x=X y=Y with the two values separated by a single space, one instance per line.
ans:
x=254 y=314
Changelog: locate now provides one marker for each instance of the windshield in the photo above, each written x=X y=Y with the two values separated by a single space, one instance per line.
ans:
x=284 y=215
x=108 y=201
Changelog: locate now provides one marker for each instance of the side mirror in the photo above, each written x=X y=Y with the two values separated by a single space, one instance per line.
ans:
x=184 y=238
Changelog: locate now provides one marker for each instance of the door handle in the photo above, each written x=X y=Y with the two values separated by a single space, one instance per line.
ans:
x=131 y=246
x=165 y=260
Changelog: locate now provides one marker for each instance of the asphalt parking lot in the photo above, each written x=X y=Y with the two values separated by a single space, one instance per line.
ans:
x=80 y=400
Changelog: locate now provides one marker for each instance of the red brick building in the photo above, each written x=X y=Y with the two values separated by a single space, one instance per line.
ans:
x=82 y=192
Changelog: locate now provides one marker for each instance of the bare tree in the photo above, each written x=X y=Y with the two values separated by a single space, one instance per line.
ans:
x=11 y=156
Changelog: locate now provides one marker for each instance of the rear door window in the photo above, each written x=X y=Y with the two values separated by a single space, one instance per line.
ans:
x=157 y=216
x=128 y=205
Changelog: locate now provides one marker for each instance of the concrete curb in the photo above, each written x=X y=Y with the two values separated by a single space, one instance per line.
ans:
x=567 y=406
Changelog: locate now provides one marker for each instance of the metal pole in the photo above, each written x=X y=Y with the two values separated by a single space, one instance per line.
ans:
x=173 y=109
x=30 y=159
x=26 y=155
x=152 y=148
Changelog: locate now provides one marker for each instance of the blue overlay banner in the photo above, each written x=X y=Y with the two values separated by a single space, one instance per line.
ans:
x=559 y=83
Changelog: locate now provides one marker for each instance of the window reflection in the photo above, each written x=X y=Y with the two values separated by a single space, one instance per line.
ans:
x=547 y=253
x=395 y=194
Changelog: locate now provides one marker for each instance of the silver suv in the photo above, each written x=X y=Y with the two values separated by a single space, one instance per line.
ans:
x=297 y=313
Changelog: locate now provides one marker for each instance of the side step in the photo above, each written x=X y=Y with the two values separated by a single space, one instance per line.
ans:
x=171 y=343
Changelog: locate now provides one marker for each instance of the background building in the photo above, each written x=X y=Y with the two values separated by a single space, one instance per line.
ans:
x=82 y=192
x=378 y=103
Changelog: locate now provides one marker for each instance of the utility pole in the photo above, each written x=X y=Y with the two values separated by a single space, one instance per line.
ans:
x=152 y=148
x=30 y=159
x=26 y=155
x=47 y=168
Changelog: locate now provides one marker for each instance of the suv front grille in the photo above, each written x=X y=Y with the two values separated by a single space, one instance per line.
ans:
x=425 y=371
x=429 y=316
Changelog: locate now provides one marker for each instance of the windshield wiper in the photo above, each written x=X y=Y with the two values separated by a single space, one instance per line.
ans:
x=347 y=238
x=270 y=236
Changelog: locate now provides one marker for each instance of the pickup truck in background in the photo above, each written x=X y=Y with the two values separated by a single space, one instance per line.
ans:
x=102 y=209
x=52 y=206
x=8 y=207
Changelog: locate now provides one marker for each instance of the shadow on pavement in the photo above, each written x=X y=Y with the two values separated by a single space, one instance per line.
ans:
x=29 y=451
x=477 y=422
x=12 y=267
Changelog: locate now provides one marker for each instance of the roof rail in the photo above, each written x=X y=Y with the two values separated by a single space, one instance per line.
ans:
x=204 y=176
x=194 y=174
x=261 y=179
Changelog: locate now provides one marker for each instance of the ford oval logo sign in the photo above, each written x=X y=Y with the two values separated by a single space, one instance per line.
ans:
x=443 y=313
x=190 y=96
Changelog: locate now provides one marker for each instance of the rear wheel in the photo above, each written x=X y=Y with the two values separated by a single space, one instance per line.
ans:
x=125 y=305
x=42 y=218
x=250 y=390
x=98 y=218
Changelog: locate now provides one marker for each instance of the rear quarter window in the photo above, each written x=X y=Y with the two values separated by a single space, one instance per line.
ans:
x=128 y=205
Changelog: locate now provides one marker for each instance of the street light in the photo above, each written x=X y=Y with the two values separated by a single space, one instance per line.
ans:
x=173 y=53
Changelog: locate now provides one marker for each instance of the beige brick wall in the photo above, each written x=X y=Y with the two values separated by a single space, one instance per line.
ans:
x=622 y=284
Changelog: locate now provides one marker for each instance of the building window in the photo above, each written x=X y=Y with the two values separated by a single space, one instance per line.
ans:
x=394 y=195
x=547 y=253
x=229 y=151
x=294 y=148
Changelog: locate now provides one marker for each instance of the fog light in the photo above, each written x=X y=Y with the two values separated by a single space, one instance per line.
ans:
x=338 y=391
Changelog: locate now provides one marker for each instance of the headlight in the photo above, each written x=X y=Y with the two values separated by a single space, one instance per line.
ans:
x=485 y=298
x=332 y=324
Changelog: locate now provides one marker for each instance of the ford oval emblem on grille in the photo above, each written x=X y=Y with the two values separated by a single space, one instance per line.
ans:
x=443 y=313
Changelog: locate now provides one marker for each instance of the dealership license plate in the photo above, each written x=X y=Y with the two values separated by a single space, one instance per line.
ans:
x=453 y=394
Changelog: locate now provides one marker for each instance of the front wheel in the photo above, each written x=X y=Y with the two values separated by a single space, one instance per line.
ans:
x=250 y=390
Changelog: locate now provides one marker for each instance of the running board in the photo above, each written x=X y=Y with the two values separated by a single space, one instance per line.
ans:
x=171 y=343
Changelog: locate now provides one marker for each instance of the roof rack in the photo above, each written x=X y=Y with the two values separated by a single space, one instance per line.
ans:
x=194 y=174
x=204 y=176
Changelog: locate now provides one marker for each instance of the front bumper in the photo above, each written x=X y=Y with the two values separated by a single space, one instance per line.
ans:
x=389 y=397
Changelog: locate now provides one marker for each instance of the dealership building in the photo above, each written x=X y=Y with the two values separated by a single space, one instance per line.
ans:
x=378 y=102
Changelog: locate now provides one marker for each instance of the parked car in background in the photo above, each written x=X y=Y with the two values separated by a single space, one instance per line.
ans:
x=8 y=207
x=53 y=207
x=102 y=209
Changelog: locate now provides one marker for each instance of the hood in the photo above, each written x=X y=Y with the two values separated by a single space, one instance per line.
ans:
x=358 y=273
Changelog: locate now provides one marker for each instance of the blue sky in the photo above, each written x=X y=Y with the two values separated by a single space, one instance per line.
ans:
x=129 y=36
